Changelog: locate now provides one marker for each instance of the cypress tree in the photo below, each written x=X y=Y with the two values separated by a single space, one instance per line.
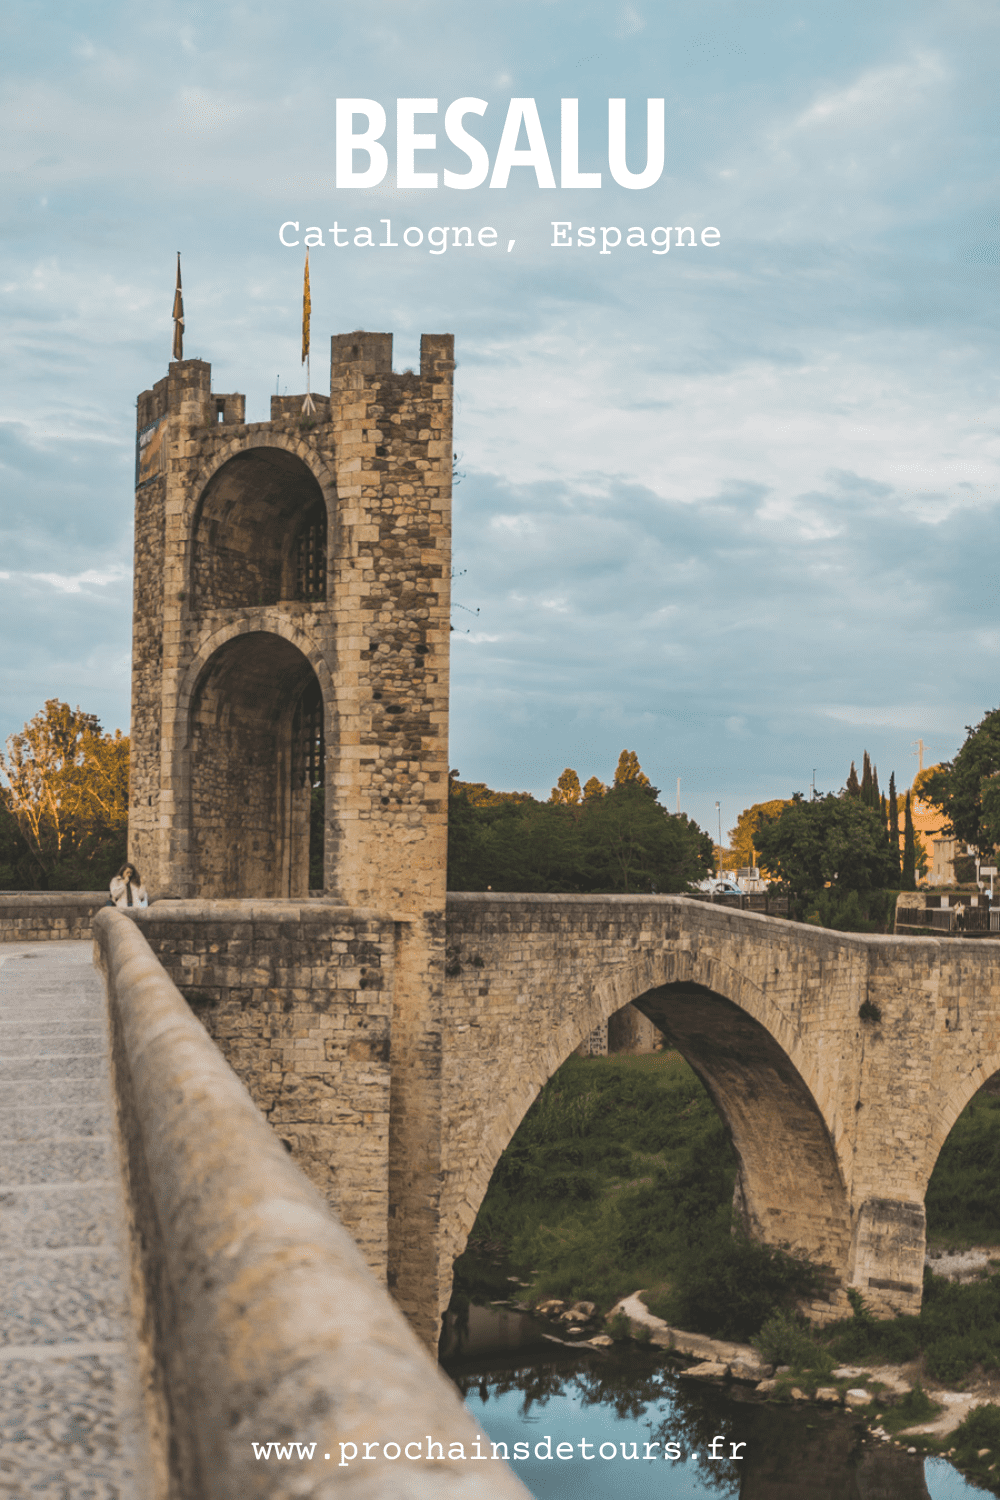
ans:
x=877 y=798
x=853 y=788
x=908 y=882
x=894 y=827
x=866 y=781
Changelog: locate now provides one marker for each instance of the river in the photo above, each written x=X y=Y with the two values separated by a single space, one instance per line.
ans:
x=593 y=1410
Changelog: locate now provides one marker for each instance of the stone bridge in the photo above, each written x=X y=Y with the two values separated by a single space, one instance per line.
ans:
x=289 y=810
x=838 y=1062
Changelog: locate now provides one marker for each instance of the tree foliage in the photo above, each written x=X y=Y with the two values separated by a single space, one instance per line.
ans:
x=957 y=786
x=742 y=838
x=834 y=843
x=908 y=878
x=567 y=788
x=64 y=822
x=612 y=840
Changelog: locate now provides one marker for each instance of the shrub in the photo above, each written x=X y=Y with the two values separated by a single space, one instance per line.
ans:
x=619 y=1327
x=951 y=1357
x=729 y=1285
x=784 y=1339
x=916 y=1406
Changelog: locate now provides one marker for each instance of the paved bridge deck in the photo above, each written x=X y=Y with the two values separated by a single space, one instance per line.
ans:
x=71 y=1421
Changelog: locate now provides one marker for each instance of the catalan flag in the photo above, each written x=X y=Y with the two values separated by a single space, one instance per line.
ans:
x=178 y=314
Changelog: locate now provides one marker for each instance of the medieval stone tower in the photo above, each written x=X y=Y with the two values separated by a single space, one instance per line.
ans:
x=290 y=635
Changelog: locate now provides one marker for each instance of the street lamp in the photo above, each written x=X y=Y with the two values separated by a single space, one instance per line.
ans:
x=718 y=810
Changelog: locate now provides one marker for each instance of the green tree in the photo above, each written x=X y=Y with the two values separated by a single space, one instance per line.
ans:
x=866 y=781
x=632 y=844
x=594 y=788
x=853 y=788
x=66 y=784
x=893 y=829
x=834 y=843
x=742 y=838
x=19 y=871
x=617 y=840
x=567 y=789
x=956 y=786
x=628 y=771
x=908 y=878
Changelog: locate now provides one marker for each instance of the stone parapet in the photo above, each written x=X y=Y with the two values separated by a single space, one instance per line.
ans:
x=264 y=1322
x=40 y=916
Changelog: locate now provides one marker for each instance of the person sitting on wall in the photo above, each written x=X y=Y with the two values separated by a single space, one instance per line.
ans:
x=127 y=889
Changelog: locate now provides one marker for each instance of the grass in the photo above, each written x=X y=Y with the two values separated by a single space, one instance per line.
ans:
x=621 y=1175
x=963 y=1195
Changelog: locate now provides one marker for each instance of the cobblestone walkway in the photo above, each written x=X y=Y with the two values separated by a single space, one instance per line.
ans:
x=71 y=1427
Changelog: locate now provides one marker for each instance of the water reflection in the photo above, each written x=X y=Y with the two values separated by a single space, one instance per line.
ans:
x=523 y=1389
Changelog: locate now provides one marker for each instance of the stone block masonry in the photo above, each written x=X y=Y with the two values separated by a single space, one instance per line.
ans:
x=838 y=1062
x=298 y=997
x=290 y=711
x=41 y=916
x=290 y=632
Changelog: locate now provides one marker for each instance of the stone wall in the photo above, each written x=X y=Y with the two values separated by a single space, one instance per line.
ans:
x=262 y=1321
x=279 y=566
x=38 y=916
x=298 y=997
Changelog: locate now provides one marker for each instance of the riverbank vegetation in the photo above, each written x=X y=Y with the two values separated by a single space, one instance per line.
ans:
x=621 y=1176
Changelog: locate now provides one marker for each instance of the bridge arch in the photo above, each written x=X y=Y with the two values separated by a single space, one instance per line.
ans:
x=951 y=1105
x=750 y=1056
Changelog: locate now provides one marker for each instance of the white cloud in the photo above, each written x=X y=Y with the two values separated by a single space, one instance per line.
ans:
x=79 y=583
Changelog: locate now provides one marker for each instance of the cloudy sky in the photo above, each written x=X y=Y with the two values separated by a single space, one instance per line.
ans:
x=736 y=508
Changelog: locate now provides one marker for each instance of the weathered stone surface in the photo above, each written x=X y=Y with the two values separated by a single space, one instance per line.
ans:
x=291 y=629
x=708 y=1369
x=750 y=1370
x=290 y=632
x=72 y=1418
x=300 y=1005
x=266 y=1322
x=856 y=1397
x=40 y=916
